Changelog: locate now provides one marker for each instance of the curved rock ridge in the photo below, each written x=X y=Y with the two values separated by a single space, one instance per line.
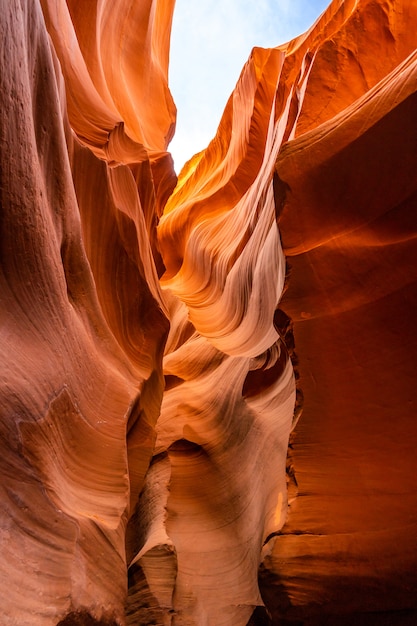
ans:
x=58 y=432
x=83 y=322
x=219 y=232
x=346 y=190
x=214 y=431
x=148 y=374
x=114 y=58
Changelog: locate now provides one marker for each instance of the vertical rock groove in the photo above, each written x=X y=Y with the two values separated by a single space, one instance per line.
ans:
x=148 y=374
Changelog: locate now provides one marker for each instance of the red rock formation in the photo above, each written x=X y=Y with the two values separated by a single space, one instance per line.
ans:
x=147 y=377
x=347 y=191
x=83 y=322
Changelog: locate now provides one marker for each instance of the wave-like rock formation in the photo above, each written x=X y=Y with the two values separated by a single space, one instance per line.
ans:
x=149 y=383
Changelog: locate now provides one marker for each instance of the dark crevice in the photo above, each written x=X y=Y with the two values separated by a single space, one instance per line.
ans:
x=280 y=194
x=83 y=618
x=142 y=607
x=260 y=617
x=172 y=381
x=185 y=446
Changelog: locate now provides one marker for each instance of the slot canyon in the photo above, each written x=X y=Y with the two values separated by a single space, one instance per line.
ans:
x=208 y=380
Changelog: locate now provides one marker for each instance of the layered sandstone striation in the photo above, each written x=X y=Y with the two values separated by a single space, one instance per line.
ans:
x=148 y=374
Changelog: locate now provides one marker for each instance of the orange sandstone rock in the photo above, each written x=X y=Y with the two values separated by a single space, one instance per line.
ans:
x=147 y=374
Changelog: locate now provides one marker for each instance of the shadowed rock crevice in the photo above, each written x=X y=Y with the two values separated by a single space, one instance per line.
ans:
x=83 y=618
x=142 y=606
x=260 y=617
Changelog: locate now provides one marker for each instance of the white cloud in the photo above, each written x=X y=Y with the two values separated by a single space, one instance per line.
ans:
x=210 y=42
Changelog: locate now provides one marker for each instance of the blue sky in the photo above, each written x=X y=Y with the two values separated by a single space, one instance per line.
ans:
x=210 y=42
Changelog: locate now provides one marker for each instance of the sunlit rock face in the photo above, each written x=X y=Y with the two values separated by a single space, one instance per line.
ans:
x=147 y=364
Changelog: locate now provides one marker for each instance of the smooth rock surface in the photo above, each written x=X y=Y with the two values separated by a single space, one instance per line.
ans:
x=149 y=382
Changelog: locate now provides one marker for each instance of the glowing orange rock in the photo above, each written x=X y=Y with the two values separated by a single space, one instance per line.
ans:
x=83 y=323
x=148 y=389
x=230 y=395
x=114 y=58
x=346 y=189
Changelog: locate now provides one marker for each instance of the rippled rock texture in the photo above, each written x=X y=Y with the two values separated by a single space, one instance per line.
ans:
x=149 y=384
